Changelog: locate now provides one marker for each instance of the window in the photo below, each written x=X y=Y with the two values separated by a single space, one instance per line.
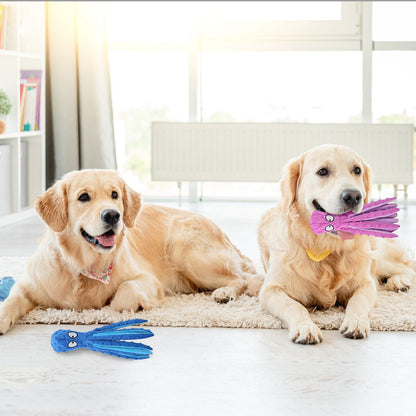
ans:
x=394 y=21
x=312 y=86
x=394 y=65
x=150 y=22
x=394 y=91
x=394 y=86
x=146 y=86
x=254 y=61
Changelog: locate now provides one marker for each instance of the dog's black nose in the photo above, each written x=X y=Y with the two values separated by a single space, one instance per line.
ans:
x=350 y=197
x=110 y=216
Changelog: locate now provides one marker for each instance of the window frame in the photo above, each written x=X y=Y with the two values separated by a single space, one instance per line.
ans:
x=348 y=28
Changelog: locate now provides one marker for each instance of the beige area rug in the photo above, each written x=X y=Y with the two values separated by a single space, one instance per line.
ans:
x=394 y=311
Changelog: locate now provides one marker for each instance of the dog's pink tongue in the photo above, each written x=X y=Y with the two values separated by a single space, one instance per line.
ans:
x=106 y=240
x=345 y=236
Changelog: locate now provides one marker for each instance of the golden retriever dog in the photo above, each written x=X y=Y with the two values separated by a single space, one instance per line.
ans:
x=102 y=246
x=307 y=270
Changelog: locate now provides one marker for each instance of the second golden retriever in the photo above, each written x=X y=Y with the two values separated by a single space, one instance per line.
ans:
x=306 y=270
x=102 y=246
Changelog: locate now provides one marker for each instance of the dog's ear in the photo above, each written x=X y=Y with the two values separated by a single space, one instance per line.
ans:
x=367 y=179
x=132 y=202
x=290 y=180
x=52 y=207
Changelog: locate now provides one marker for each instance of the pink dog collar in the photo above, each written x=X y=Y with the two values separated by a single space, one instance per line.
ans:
x=377 y=218
x=103 y=277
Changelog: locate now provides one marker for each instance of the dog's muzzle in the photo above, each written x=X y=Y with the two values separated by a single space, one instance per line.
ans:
x=110 y=217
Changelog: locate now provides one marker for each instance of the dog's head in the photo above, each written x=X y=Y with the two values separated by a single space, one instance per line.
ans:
x=93 y=205
x=328 y=178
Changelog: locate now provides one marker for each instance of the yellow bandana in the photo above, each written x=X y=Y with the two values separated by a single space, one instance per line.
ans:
x=318 y=257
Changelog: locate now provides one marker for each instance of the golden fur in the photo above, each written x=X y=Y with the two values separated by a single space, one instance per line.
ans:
x=347 y=276
x=156 y=251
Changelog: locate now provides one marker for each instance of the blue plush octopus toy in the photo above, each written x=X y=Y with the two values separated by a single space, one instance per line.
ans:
x=109 y=339
x=6 y=284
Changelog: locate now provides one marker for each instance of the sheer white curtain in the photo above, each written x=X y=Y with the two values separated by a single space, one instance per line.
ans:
x=80 y=130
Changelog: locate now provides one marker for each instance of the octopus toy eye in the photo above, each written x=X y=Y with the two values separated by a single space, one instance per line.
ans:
x=329 y=228
x=72 y=344
x=329 y=218
x=72 y=334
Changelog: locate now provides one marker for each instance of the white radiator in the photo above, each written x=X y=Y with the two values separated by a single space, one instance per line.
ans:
x=257 y=152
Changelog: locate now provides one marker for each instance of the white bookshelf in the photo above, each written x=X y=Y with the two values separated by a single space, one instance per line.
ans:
x=23 y=151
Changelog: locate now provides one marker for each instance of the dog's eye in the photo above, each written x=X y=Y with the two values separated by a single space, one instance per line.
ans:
x=357 y=170
x=84 y=197
x=322 y=172
x=114 y=195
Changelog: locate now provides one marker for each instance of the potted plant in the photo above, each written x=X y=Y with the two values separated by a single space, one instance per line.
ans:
x=5 y=107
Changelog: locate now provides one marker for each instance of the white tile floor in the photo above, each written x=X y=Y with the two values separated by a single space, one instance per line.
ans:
x=208 y=371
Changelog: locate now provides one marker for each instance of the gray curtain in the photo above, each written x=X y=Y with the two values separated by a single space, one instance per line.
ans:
x=79 y=119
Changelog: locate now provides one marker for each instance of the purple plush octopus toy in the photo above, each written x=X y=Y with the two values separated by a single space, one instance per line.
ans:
x=378 y=218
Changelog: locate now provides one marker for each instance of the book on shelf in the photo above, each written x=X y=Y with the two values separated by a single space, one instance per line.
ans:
x=30 y=91
x=3 y=25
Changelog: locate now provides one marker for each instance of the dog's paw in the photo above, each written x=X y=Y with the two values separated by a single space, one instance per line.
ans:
x=134 y=302
x=5 y=324
x=224 y=294
x=306 y=333
x=399 y=283
x=355 y=327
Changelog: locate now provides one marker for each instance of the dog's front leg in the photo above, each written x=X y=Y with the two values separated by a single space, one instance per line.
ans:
x=356 y=323
x=145 y=291
x=14 y=307
x=276 y=301
x=301 y=328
